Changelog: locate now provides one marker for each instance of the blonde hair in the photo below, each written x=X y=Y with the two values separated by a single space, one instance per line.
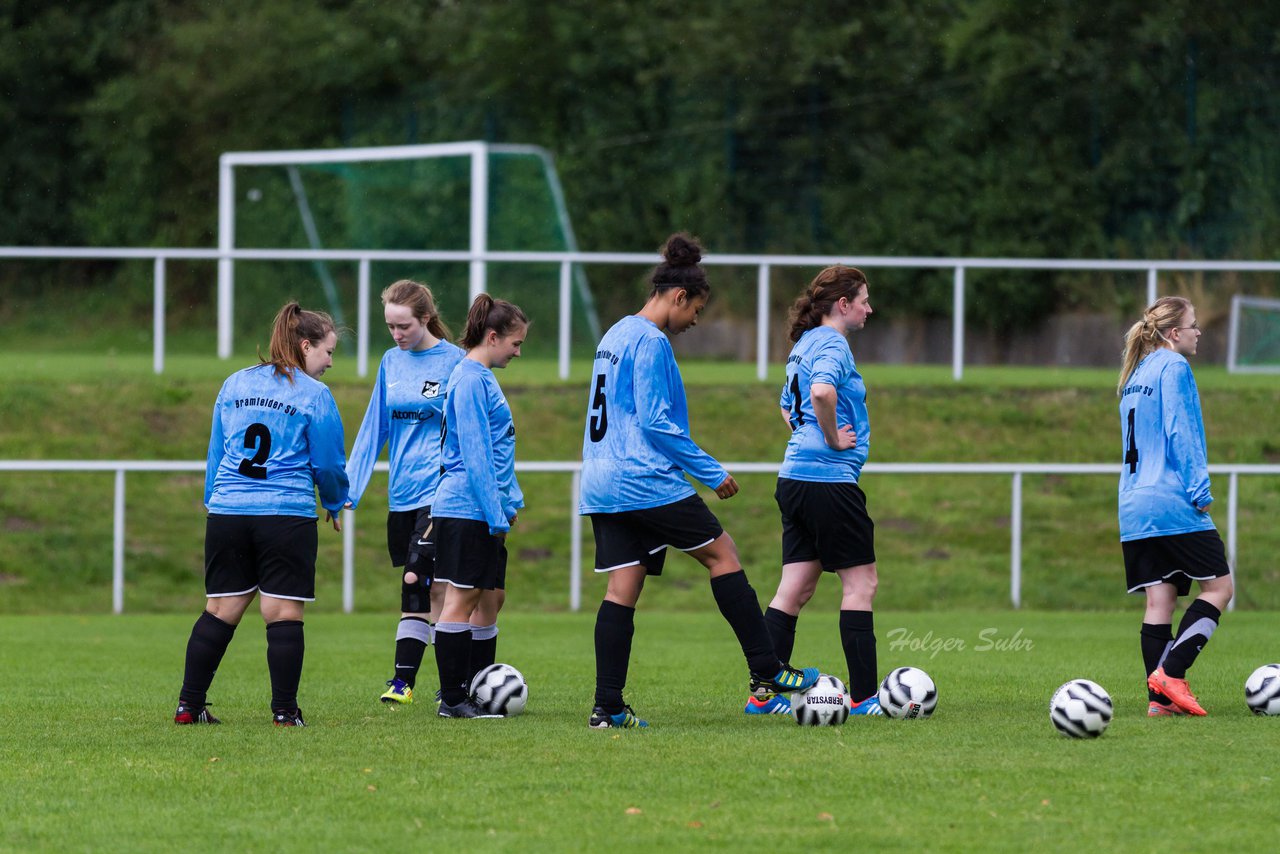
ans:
x=292 y=326
x=418 y=298
x=1150 y=333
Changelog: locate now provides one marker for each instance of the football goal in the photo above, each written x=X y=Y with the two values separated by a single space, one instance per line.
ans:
x=471 y=197
x=1253 y=341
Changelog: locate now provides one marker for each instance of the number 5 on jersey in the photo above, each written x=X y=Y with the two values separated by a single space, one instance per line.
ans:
x=599 y=420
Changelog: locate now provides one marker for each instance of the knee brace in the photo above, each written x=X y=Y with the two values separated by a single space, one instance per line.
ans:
x=415 y=596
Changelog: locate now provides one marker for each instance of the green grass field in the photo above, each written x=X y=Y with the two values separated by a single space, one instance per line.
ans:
x=91 y=761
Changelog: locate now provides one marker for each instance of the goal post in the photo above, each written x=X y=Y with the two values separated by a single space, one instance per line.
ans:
x=1253 y=339
x=365 y=208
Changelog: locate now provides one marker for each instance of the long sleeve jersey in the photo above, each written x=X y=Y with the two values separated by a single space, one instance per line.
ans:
x=1165 y=475
x=636 y=446
x=272 y=444
x=477 y=451
x=822 y=355
x=405 y=412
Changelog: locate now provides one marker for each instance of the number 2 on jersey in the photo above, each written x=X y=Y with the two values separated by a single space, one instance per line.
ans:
x=1131 y=452
x=598 y=423
x=258 y=439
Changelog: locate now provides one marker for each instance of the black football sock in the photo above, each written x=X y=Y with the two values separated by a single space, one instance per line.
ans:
x=412 y=636
x=615 y=626
x=741 y=609
x=858 y=637
x=453 y=660
x=484 y=647
x=285 y=649
x=205 y=648
x=782 y=631
x=1198 y=623
x=1156 y=639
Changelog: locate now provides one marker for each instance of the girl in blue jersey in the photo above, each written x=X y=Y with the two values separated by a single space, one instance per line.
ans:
x=405 y=411
x=1165 y=530
x=636 y=450
x=825 y=525
x=476 y=501
x=276 y=438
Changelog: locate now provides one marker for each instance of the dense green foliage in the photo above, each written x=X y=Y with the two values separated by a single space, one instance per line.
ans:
x=986 y=773
x=960 y=127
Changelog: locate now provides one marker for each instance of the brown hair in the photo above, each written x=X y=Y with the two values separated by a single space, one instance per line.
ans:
x=488 y=313
x=826 y=289
x=418 y=298
x=1149 y=333
x=292 y=326
x=679 y=267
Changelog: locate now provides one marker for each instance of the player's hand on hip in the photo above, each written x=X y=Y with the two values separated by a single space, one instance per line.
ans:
x=846 y=439
x=728 y=488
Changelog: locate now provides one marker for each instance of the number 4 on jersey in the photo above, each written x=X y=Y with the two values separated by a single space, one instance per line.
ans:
x=1131 y=452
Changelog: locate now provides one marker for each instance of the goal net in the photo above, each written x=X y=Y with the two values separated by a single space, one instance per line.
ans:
x=1254 y=337
x=414 y=198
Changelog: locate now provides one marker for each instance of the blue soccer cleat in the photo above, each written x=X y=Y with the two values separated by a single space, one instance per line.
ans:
x=869 y=706
x=788 y=680
x=767 y=704
x=625 y=719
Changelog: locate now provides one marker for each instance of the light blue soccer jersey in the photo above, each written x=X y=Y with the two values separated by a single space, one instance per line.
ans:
x=636 y=446
x=822 y=355
x=272 y=444
x=405 y=411
x=1165 y=475
x=478 y=451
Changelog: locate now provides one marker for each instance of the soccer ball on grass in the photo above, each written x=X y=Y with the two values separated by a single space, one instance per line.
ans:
x=1080 y=709
x=500 y=689
x=908 y=692
x=826 y=703
x=1262 y=690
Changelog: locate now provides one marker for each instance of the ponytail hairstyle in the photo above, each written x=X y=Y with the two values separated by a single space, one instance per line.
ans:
x=488 y=313
x=292 y=326
x=1150 y=333
x=826 y=289
x=418 y=298
x=679 y=267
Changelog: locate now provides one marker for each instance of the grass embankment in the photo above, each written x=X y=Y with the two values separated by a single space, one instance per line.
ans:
x=943 y=541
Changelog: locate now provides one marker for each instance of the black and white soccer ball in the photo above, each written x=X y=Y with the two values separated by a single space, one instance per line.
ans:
x=826 y=703
x=1080 y=709
x=1262 y=690
x=500 y=689
x=908 y=692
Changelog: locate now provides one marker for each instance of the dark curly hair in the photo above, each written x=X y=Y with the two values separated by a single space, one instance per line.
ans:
x=680 y=268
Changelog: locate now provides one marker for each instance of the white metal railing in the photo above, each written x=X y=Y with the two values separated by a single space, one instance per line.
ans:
x=364 y=258
x=1016 y=471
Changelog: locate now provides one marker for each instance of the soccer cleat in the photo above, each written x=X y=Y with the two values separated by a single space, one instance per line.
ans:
x=767 y=704
x=288 y=717
x=625 y=719
x=1162 y=710
x=1176 y=690
x=466 y=709
x=788 y=680
x=193 y=715
x=398 y=692
x=869 y=706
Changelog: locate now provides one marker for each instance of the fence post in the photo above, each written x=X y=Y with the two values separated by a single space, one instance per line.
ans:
x=117 y=550
x=348 y=560
x=226 y=266
x=762 y=322
x=1233 y=501
x=1153 y=279
x=1015 y=547
x=957 y=325
x=575 y=543
x=566 y=316
x=362 y=319
x=157 y=316
x=479 y=216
